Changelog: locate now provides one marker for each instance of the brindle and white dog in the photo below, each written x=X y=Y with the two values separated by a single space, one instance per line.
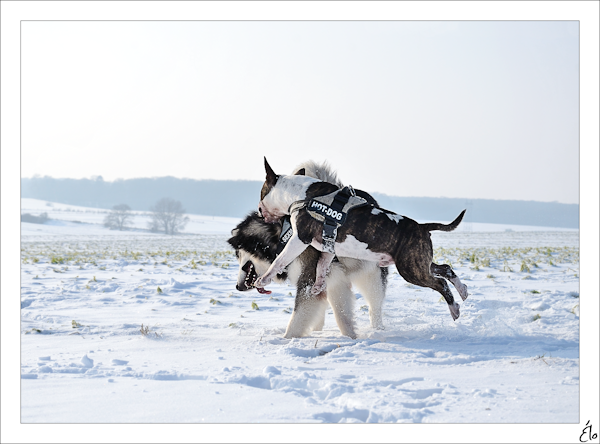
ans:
x=256 y=241
x=369 y=233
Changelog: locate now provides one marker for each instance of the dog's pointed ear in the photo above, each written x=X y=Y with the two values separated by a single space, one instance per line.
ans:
x=301 y=172
x=271 y=176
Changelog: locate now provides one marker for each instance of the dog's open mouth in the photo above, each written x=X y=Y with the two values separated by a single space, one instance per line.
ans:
x=251 y=278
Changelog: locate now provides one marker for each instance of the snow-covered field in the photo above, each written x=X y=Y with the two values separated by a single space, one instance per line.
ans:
x=206 y=355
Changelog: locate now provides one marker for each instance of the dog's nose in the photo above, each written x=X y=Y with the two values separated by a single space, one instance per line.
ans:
x=239 y=287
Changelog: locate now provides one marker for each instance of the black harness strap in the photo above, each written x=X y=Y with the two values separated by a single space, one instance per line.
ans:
x=335 y=218
x=332 y=214
x=286 y=234
x=342 y=198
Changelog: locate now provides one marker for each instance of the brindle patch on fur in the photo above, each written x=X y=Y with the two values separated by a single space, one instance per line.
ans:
x=265 y=190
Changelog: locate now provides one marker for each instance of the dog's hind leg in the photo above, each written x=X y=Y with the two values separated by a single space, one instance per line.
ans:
x=446 y=271
x=309 y=310
x=413 y=261
x=323 y=267
x=413 y=270
x=441 y=286
x=341 y=298
x=319 y=318
x=372 y=282
x=308 y=315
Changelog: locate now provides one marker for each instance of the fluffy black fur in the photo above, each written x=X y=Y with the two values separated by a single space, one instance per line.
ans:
x=256 y=237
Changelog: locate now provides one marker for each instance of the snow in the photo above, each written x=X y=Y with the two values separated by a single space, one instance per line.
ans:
x=207 y=356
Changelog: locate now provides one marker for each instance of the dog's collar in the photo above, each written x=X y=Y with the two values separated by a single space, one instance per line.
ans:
x=295 y=206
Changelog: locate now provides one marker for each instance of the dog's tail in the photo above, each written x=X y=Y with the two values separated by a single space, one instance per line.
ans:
x=442 y=227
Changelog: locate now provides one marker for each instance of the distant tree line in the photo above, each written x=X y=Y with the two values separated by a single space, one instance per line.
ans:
x=206 y=197
x=41 y=219
x=237 y=198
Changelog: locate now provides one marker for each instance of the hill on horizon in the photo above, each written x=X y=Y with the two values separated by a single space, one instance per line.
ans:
x=236 y=198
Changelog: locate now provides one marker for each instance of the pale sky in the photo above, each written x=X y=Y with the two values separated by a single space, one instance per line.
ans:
x=467 y=109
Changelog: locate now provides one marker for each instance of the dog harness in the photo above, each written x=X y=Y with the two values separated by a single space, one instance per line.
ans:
x=331 y=210
x=286 y=234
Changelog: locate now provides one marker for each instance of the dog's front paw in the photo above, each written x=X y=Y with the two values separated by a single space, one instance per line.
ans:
x=318 y=289
x=262 y=282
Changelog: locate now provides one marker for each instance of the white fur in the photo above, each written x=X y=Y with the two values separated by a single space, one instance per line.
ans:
x=352 y=247
x=341 y=298
x=288 y=190
x=309 y=316
x=392 y=216
x=321 y=171
x=371 y=289
x=460 y=287
x=395 y=217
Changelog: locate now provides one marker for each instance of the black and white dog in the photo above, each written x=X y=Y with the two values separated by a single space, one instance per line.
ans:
x=369 y=233
x=256 y=243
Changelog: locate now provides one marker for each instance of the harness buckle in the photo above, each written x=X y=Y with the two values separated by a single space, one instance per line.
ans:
x=329 y=237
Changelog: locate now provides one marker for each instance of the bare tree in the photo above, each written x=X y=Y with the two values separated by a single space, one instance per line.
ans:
x=118 y=217
x=168 y=215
